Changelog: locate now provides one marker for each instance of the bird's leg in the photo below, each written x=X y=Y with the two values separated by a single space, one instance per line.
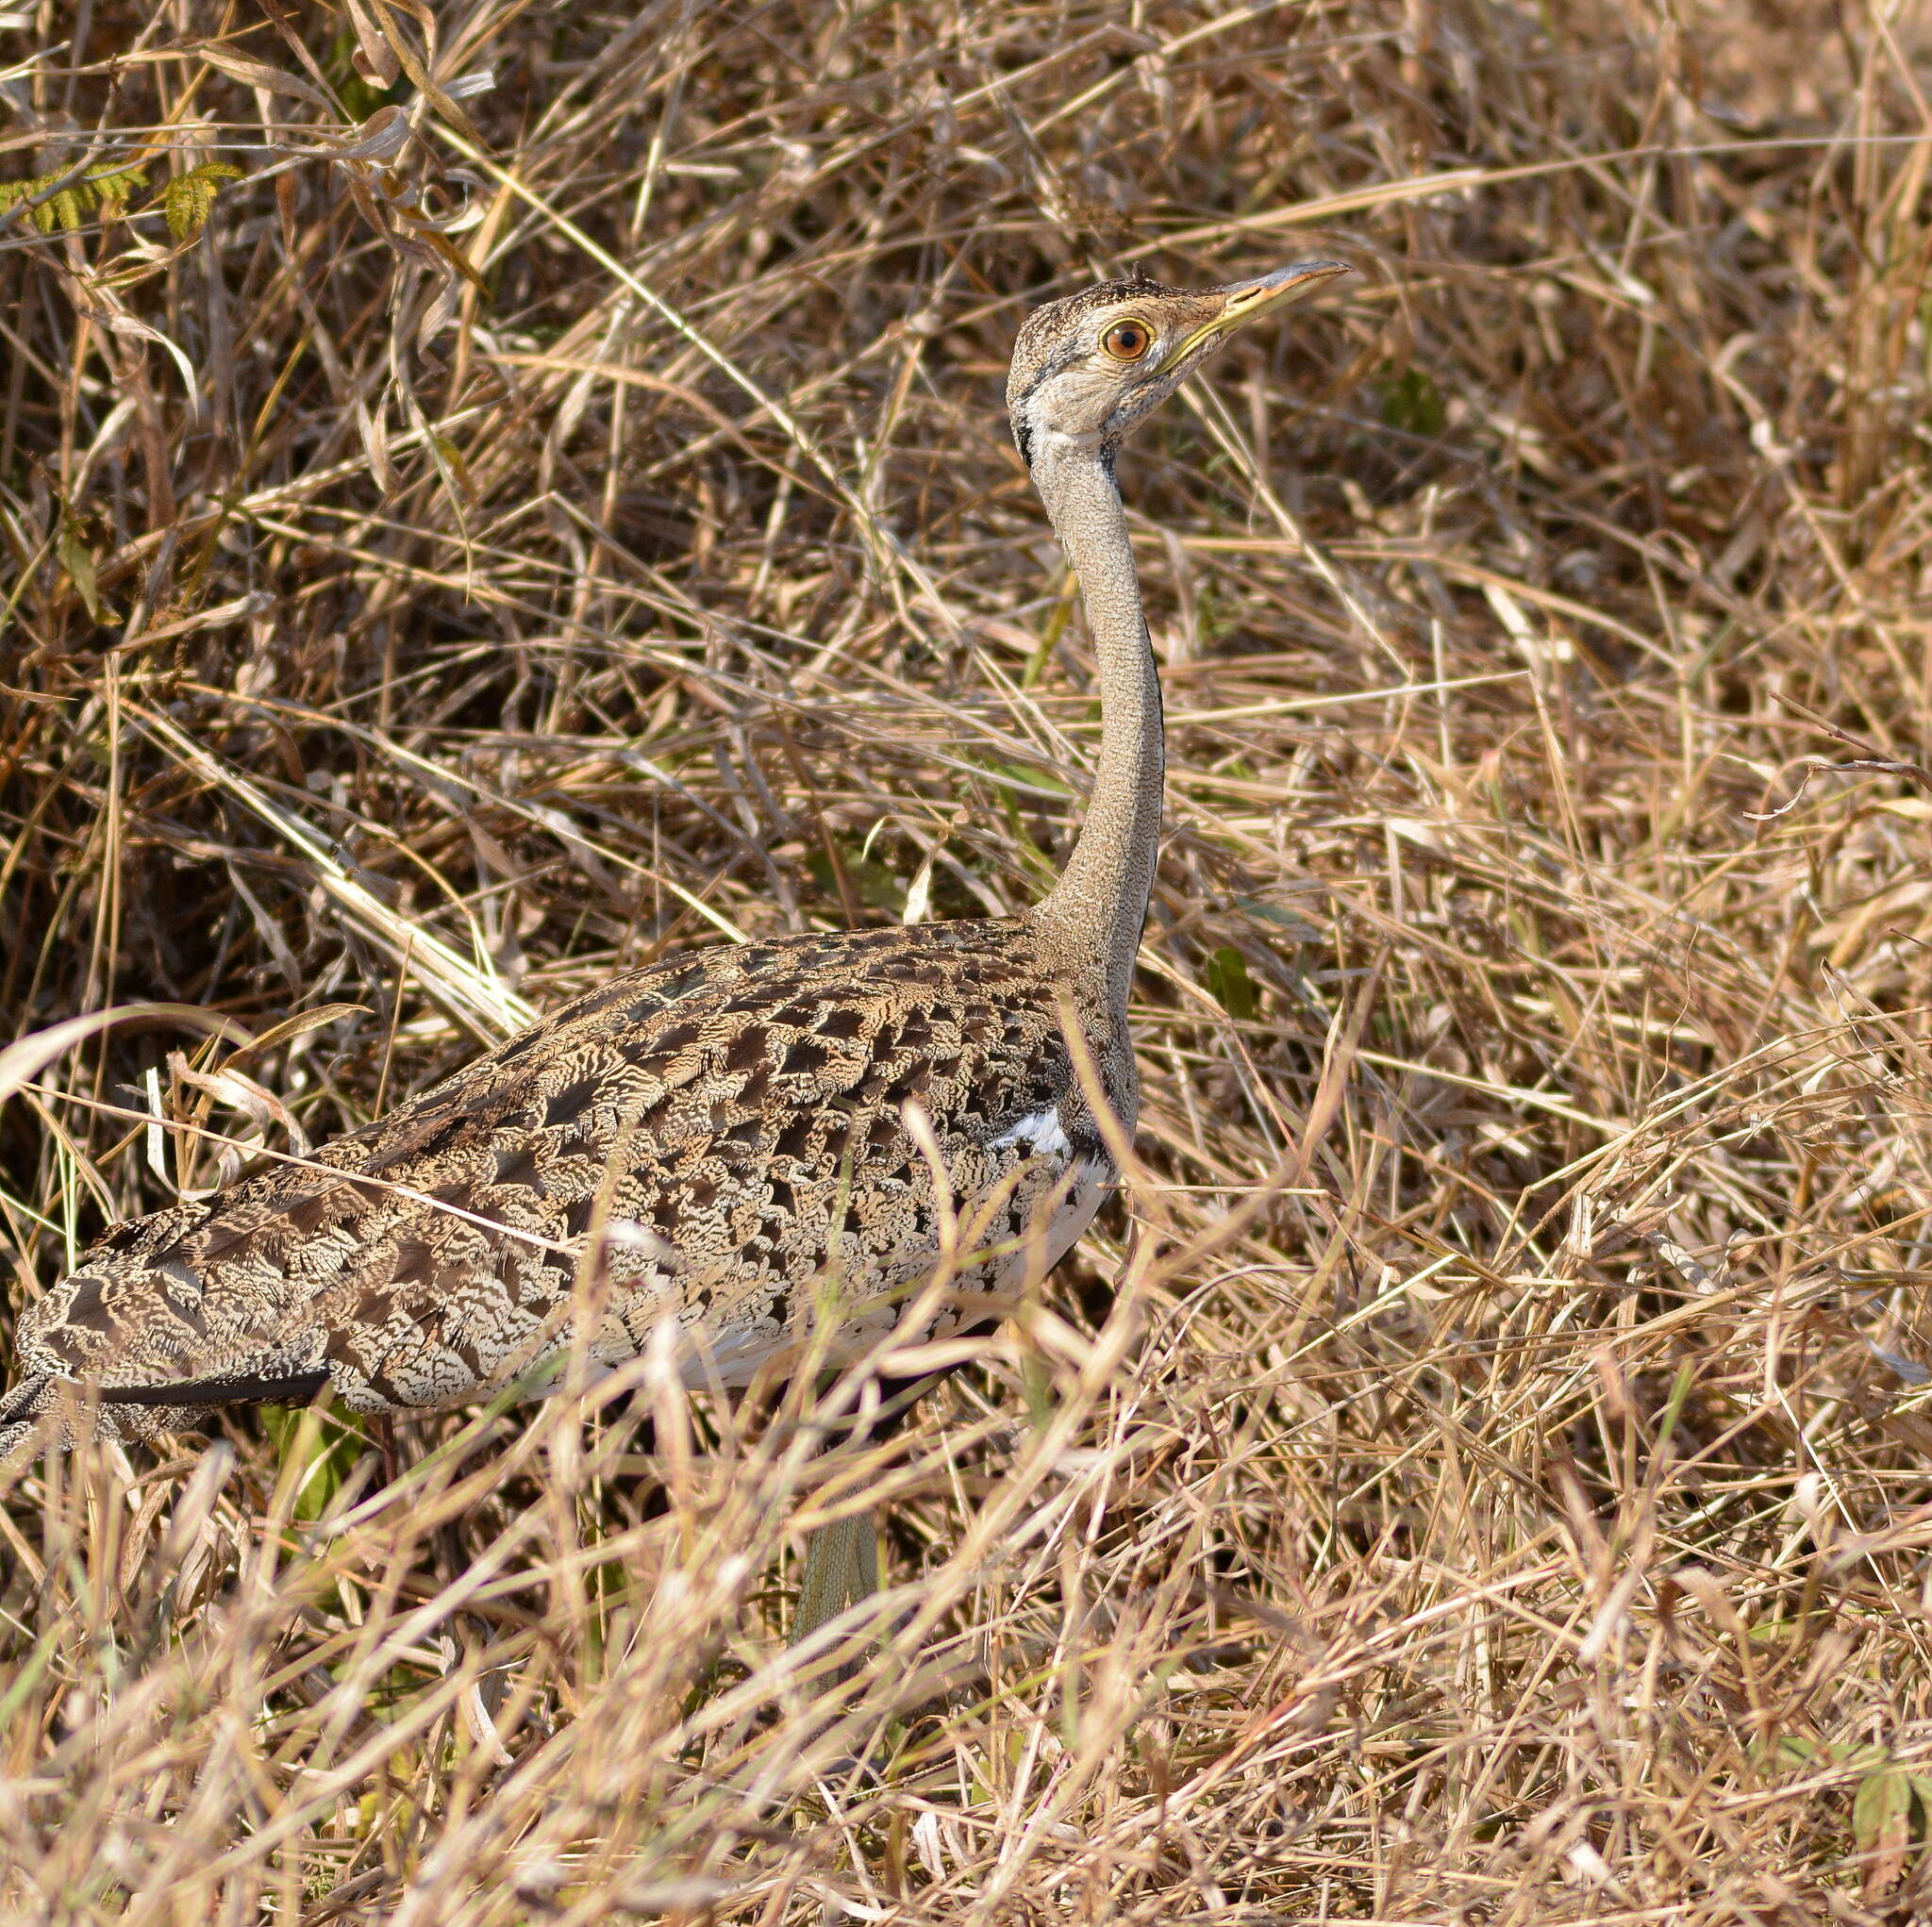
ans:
x=384 y=1427
x=841 y=1567
x=841 y=1564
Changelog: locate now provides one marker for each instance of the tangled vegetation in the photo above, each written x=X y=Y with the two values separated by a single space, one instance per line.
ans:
x=494 y=490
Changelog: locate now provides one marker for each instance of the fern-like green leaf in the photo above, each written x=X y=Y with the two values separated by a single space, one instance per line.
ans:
x=99 y=191
x=187 y=199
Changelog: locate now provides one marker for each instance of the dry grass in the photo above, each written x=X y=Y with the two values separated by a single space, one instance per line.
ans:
x=1481 y=1474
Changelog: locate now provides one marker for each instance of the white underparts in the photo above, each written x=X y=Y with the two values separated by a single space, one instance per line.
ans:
x=1040 y=1131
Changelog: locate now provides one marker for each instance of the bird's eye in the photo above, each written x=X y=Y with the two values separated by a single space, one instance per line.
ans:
x=1127 y=340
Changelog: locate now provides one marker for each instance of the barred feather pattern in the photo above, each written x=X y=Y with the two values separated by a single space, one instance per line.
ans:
x=729 y=1129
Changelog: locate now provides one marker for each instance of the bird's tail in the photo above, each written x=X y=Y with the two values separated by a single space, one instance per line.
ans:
x=45 y=1406
x=20 y=1407
x=25 y=1407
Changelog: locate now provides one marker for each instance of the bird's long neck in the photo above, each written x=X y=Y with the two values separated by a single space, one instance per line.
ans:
x=1100 y=902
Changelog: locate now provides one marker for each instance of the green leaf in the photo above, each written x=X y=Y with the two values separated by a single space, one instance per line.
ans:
x=1882 y=1797
x=329 y=1443
x=100 y=189
x=451 y=457
x=187 y=199
x=878 y=888
x=1299 y=929
x=79 y=560
x=1021 y=776
x=1230 y=984
x=1413 y=403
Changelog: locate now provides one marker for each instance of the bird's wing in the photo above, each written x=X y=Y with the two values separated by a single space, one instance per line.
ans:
x=734 y=1123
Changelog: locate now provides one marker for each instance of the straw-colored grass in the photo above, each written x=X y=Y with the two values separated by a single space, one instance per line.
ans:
x=1479 y=1472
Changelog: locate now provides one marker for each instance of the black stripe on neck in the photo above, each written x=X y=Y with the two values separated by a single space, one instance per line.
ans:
x=1023 y=428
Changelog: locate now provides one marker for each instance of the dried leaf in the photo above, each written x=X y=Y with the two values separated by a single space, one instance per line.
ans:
x=241 y=1092
x=377 y=140
x=270 y=79
x=375 y=446
x=117 y=323
x=24 y=1061
x=298 y=1025
x=376 y=60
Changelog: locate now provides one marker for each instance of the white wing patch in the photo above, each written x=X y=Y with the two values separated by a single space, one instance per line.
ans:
x=1040 y=1132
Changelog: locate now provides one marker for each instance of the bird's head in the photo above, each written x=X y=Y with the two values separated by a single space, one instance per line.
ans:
x=1085 y=370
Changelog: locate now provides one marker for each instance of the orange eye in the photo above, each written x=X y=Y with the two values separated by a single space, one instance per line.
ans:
x=1127 y=340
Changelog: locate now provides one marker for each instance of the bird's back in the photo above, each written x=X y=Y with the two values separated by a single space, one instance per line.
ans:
x=727 y=1129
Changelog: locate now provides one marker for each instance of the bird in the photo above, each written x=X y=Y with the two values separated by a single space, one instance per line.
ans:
x=752 y=1153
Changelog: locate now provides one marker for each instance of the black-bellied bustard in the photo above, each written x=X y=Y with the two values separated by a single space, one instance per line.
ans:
x=704 y=1141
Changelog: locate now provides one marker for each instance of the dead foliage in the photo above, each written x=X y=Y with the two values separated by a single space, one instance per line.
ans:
x=490 y=494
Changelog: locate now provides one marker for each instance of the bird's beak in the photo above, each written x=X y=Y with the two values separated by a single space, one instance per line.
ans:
x=1247 y=299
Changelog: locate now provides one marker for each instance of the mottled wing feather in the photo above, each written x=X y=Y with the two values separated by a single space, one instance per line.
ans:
x=736 y=1115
